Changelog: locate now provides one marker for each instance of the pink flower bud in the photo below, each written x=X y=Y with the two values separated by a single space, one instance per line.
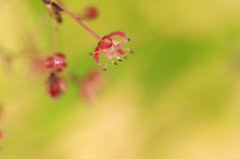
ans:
x=91 y=12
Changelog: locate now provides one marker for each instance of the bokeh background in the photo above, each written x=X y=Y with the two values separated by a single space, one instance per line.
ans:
x=176 y=97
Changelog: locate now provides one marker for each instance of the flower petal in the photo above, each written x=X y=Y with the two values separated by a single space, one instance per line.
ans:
x=118 y=33
x=60 y=55
x=120 y=52
x=50 y=62
x=104 y=45
x=96 y=58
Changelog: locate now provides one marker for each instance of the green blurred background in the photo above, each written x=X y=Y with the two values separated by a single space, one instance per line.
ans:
x=176 y=97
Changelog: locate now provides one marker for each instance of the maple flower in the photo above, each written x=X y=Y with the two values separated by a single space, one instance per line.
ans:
x=108 y=45
x=111 y=48
x=57 y=62
x=55 y=85
x=90 y=85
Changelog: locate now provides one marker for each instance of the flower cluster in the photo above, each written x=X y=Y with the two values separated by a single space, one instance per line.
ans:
x=110 y=46
x=107 y=45
x=56 y=62
x=56 y=85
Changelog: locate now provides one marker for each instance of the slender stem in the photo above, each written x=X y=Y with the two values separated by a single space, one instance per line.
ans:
x=41 y=24
x=54 y=36
x=106 y=63
x=80 y=22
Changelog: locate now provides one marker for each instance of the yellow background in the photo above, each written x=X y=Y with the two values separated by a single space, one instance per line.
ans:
x=176 y=97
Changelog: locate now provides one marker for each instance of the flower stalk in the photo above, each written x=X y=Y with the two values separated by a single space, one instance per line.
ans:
x=54 y=36
x=80 y=22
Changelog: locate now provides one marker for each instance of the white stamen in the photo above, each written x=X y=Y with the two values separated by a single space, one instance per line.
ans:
x=56 y=61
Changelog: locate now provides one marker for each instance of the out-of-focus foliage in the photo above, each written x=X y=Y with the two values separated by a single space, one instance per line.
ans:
x=176 y=97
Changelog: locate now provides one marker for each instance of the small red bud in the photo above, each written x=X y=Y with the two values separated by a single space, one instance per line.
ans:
x=55 y=85
x=91 y=12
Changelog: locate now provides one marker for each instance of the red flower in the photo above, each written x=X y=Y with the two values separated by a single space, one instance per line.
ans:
x=111 y=48
x=90 y=85
x=57 y=62
x=55 y=85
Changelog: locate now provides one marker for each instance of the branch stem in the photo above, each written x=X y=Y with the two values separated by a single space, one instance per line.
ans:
x=80 y=22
